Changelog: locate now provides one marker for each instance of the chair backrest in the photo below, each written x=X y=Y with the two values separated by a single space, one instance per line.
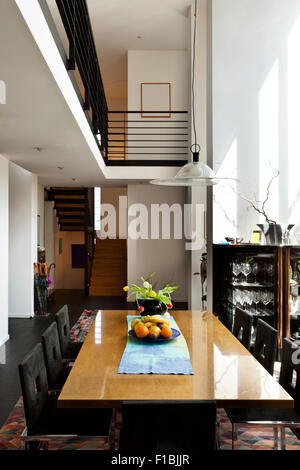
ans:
x=242 y=327
x=34 y=385
x=52 y=354
x=63 y=327
x=290 y=363
x=265 y=347
x=174 y=425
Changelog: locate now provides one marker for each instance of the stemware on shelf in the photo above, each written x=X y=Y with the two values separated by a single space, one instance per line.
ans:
x=250 y=298
x=236 y=269
x=246 y=270
x=265 y=298
x=256 y=299
x=269 y=271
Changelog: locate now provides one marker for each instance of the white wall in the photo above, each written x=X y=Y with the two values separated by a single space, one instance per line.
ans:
x=22 y=240
x=4 y=250
x=41 y=212
x=256 y=76
x=158 y=67
x=167 y=258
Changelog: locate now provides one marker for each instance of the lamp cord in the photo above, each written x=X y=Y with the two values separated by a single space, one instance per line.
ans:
x=193 y=75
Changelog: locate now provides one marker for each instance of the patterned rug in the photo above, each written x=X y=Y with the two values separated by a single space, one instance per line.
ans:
x=248 y=438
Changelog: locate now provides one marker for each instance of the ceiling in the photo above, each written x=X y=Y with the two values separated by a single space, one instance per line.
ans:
x=161 y=24
x=37 y=129
x=36 y=114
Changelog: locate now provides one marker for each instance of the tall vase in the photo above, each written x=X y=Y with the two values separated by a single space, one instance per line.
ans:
x=275 y=233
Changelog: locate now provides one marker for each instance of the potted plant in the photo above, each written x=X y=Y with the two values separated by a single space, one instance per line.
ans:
x=148 y=300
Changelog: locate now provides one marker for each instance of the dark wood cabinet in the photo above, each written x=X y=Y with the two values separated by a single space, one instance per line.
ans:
x=250 y=277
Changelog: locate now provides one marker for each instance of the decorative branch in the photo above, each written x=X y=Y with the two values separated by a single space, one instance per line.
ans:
x=262 y=211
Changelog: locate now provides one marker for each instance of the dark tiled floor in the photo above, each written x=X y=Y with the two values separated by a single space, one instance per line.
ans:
x=25 y=333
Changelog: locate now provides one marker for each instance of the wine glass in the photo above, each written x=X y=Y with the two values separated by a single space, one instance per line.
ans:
x=269 y=271
x=236 y=269
x=246 y=270
x=249 y=299
x=265 y=297
x=255 y=270
x=256 y=299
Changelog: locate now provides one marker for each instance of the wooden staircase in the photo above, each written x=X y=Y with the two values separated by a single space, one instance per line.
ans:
x=72 y=208
x=109 y=271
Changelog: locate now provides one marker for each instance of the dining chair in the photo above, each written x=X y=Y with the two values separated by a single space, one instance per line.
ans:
x=272 y=417
x=44 y=420
x=265 y=346
x=242 y=327
x=69 y=349
x=57 y=371
x=168 y=425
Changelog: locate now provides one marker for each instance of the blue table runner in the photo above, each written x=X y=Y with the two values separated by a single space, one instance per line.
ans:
x=169 y=357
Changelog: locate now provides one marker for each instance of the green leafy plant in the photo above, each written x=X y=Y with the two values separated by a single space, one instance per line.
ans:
x=146 y=291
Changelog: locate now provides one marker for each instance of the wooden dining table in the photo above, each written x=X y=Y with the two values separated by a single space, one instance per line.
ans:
x=224 y=370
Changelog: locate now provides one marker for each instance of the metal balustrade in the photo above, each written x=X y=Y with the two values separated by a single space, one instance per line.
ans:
x=124 y=137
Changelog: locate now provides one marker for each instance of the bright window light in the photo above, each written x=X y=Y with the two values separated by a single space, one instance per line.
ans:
x=97 y=208
x=225 y=198
x=269 y=139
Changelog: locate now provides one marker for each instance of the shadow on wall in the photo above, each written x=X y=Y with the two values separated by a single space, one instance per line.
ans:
x=256 y=111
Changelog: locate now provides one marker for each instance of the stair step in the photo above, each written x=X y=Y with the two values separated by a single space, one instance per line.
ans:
x=70 y=211
x=63 y=197
x=68 y=200
x=73 y=221
x=107 y=277
x=63 y=228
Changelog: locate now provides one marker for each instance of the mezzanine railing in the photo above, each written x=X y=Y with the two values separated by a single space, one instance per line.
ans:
x=130 y=137
x=124 y=137
x=83 y=56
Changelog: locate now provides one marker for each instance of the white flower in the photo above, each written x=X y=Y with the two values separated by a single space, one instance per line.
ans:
x=147 y=285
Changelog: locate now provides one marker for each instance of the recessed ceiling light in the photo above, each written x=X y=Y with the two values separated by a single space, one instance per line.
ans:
x=140 y=37
x=74 y=179
x=60 y=168
x=38 y=149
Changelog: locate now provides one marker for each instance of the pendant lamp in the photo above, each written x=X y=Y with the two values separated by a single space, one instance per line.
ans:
x=194 y=173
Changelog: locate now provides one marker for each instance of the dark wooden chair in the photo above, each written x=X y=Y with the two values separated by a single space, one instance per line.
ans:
x=269 y=417
x=57 y=371
x=44 y=420
x=265 y=346
x=175 y=425
x=69 y=349
x=242 y=327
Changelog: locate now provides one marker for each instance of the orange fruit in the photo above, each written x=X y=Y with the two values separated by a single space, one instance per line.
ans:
x=154 y=332
x=166 y=332
x=134 y=322
x=137 y=324
x=142 y=331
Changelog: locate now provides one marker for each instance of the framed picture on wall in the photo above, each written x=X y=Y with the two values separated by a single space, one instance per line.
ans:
x=156 y=100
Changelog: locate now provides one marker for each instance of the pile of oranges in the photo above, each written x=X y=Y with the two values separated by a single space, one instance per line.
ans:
x=154 y=326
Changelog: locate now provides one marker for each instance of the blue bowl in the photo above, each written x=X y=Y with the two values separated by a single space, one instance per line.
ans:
x=175 y=334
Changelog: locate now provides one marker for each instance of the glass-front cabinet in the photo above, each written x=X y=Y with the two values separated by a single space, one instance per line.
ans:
x=263 y=280
x=249 y=277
